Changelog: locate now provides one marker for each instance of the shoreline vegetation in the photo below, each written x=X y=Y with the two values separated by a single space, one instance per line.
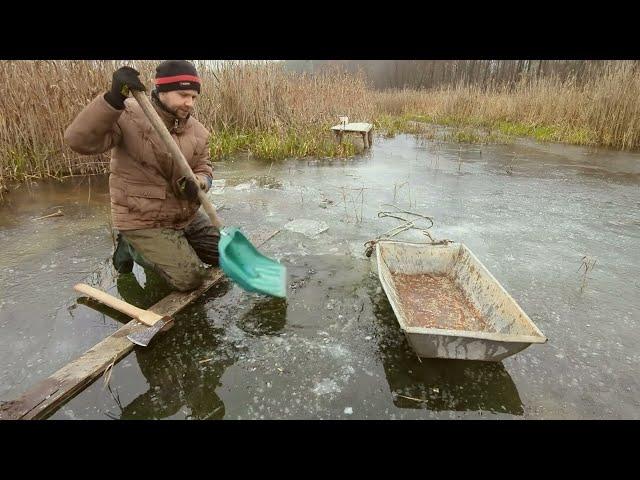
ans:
x=270 y=112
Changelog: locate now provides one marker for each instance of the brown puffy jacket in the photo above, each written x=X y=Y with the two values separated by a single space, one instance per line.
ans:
x=142 y=184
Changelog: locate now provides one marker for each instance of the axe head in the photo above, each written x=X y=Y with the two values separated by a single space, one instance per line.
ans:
x=143 y=335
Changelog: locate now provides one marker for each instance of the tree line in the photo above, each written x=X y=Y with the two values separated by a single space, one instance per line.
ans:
x=426 y=74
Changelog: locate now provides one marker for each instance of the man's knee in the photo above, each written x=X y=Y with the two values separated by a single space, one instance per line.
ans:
x=204 y=238
x=187 y=283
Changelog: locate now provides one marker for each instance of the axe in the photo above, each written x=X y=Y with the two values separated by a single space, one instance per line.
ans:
x=153 y=321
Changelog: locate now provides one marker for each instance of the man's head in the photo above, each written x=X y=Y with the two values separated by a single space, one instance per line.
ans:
x=178 y=86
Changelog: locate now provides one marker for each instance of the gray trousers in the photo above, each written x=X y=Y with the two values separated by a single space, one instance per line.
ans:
x=178 y=256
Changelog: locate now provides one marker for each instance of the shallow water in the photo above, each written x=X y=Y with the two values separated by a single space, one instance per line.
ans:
x=531 y=213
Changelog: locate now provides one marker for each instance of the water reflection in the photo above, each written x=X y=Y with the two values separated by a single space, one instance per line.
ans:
x=267 y=317
x=183 y=369
x=155 y=288
x=183 y=366
x=439 y=384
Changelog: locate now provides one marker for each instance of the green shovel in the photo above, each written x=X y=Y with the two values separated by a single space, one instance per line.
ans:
x=239 y=259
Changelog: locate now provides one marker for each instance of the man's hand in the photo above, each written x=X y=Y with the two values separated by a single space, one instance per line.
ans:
x=189 y=188
x=124 y=80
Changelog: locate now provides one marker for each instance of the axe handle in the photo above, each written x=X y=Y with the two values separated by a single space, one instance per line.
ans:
x=145 y=316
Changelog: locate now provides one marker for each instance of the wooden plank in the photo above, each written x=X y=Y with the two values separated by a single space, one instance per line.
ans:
x=42 y=400
x=353 y=127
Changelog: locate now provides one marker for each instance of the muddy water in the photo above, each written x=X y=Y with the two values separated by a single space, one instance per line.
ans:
x=531 y=213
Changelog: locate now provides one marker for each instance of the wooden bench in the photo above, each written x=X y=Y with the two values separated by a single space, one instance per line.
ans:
x=364 y=129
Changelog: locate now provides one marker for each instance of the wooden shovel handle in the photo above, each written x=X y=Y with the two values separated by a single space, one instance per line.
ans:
x=145 y=316
x=170 y=143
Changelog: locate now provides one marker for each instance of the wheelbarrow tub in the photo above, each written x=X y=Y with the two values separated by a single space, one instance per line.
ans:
x=449 y=305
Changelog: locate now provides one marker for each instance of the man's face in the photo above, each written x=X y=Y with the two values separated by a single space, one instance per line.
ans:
x=179 y=101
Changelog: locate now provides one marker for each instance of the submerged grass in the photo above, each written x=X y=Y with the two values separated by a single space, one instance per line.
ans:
x=477 y=131
x=278 y=146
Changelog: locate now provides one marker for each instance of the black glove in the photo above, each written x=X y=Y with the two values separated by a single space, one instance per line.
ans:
x=189 y=188
x=124 y=80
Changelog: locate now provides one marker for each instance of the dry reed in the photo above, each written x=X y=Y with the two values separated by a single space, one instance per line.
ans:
x=272 y=113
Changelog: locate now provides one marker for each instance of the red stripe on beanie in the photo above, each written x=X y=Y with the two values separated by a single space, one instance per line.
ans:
x=177 y=78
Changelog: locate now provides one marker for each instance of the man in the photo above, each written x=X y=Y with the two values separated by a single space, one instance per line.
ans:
x=154 y=206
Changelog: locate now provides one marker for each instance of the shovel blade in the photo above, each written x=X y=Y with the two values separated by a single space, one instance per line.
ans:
x=250 y=269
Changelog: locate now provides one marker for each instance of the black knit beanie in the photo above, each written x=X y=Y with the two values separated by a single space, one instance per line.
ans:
x=176 y=75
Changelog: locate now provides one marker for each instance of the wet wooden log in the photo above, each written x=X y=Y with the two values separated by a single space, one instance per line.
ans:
x=47 y=396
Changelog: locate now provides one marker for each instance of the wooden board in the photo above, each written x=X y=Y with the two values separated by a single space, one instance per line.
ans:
x=43 y=399
x=353 y=127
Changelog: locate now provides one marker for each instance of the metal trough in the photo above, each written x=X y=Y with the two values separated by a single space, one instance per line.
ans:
x=448 y=304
